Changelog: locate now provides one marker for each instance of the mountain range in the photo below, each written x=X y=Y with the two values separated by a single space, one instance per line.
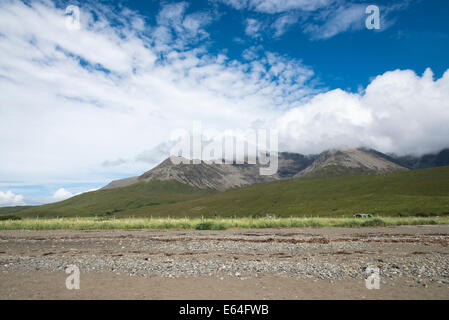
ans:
x=209 y=175
x=335 y=182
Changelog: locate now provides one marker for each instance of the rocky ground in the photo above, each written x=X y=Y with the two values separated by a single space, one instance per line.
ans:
x=260 y=263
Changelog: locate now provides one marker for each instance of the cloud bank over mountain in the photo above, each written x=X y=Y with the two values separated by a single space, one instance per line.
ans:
x=398 y=111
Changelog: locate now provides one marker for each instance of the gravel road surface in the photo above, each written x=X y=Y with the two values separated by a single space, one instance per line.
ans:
x=294 y=263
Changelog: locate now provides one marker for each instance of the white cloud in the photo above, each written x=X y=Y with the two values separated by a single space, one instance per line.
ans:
x=398 y=112
x=236 y=4
x=253 y=28
x=77 y=99
x=156 y=154
x=320 y=19
x=8 y=198
x=172 y=14
x=338 y=20
x=177 y=30
x=283 y=23
x=277 y=6
x=252 y=53
x=62 y=194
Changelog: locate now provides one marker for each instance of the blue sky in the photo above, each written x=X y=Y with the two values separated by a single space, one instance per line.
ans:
x=413 y=36
x=81 y=107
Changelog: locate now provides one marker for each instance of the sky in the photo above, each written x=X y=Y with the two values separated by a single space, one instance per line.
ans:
x=80 y=107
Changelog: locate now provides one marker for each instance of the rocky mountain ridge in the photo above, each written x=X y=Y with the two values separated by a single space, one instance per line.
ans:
x=209 y=175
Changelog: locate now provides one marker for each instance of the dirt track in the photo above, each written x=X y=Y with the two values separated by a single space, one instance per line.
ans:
x=300 y=263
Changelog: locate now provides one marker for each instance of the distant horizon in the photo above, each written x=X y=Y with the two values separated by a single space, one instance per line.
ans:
x=64 y=194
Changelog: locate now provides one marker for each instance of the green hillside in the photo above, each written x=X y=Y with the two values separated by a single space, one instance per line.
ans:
x=416 y=192
x=11 y=210
x=113 y=201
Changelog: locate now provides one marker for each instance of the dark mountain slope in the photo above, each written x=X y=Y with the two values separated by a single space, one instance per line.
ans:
x=343 y=162
x=206 y=175
x=438 y=159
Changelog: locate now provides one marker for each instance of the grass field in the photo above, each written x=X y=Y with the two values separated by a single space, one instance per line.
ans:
x=88 y=223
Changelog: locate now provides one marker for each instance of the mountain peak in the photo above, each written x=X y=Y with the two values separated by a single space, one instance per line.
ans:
x=223 y=176
x=209 y=175
x=348 y=161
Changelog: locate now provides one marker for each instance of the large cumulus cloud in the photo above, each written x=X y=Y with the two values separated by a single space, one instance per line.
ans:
x=398 y=112
x=8 y=198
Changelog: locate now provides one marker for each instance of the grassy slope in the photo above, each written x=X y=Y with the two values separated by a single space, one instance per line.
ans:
x=114 y=201
x=406 y=193
x=12 y=210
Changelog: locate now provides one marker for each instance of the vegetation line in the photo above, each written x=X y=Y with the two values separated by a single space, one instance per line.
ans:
x=89 y=223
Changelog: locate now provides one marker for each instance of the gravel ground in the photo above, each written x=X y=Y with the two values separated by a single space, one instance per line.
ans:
x=411 y=256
